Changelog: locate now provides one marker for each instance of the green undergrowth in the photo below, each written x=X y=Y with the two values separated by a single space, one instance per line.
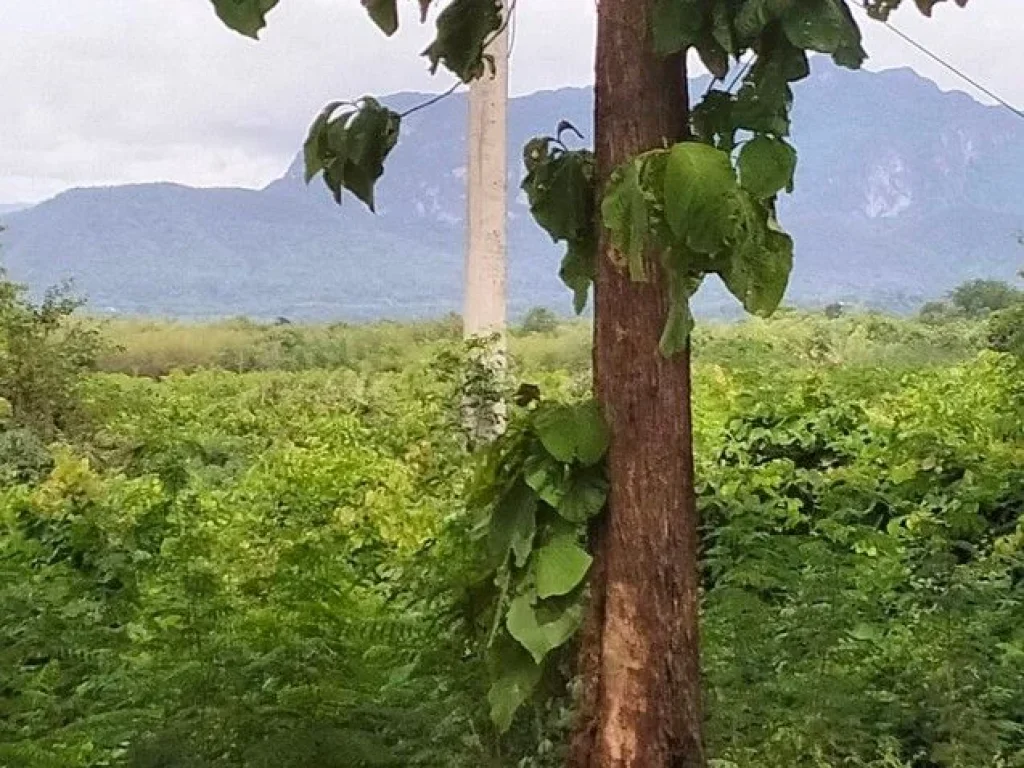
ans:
x=277 y=567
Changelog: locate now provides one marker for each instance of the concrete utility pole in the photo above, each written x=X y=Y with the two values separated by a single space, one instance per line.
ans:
x=484 y=312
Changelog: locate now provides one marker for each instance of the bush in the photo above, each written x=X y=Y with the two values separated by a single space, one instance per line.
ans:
x=1006 y=330
x=539 y=320
x=44 y=351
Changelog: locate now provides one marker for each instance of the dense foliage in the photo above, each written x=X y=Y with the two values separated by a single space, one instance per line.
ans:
x=277 y=567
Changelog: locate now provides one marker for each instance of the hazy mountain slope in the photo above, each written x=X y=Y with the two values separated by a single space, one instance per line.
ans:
x=902 y=192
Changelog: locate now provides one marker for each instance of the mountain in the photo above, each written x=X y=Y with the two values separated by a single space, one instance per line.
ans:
x=12 y=207
x=902 y=192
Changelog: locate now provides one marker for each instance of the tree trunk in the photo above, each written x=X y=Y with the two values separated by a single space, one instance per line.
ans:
x=641 y=704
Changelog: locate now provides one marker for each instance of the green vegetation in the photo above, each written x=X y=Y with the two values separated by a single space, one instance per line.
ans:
x=974 y=299
x=272 y=563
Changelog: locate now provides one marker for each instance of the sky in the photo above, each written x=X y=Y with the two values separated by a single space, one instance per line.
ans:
x=100 y=92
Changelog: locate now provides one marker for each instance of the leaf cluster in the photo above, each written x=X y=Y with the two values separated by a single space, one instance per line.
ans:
x=350 y=148
x=562 y=193
x=536 y=489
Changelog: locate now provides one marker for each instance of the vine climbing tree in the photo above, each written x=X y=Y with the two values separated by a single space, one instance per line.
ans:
x=597 y=499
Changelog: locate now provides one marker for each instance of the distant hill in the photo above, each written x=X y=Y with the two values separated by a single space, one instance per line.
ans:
x=902 y=192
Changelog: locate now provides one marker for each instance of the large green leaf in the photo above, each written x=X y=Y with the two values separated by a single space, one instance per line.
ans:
x=561 y=566
x=572 y=432
x=518 y=675
x=825 y=26
x=700 y=188
x=384 y=14
x=464 y=28
x=756 y=270
x=766 y=166
x=583 y=496
x=763 y=107
x=676 y=25
x=514 y=524
x=245 y=16
x=540 y=639
x=626 y=213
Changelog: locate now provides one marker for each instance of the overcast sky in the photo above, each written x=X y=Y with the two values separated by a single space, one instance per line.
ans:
x=112 y=91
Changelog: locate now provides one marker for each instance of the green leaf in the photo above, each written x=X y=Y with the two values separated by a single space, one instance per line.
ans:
x=572 y=432
x=540 y=639
x=584 y=495
x=245 y=16
x=682 y=286
x=514 y=524
x=464 y=28
x=384 y=14
x=766 y=166
x=866 y=633
x=713 y=56
x=560 y=188
x=625 y=212
x=676 y=25
x=755 y=15
x=757 y=270
x=546 y=477
x=763 y=108
x=351 y=148
x=678 y=327
x=561 y=566
x=579 y=270
x=712 y=120
x=517 y=679
x=722 y=27
x=825 y=26
x=315 y=148
x=700 y=188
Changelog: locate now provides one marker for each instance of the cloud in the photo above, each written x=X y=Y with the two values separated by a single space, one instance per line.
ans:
x=108 y=91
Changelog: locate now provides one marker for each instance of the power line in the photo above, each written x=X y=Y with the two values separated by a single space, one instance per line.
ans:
x=939 y=60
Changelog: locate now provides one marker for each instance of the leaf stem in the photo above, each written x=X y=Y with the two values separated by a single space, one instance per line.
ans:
x=431 y=101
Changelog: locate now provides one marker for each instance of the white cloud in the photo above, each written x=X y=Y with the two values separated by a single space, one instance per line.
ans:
x=114 y=91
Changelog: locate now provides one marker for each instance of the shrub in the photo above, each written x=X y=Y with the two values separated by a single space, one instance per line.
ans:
x=1006 y=330
x=539 y=320
x=44 y=351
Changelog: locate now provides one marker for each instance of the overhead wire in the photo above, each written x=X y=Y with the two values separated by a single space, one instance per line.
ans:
x=942 y=62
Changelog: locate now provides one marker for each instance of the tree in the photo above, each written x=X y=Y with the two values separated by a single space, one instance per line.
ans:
x=977 y=298
x=539 y=320
x=44 y=353
x=668 y=198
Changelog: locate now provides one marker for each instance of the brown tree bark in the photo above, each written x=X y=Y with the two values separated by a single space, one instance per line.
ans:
x=641 y=704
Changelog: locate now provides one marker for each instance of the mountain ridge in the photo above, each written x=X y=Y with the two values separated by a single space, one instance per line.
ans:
x=902 y=191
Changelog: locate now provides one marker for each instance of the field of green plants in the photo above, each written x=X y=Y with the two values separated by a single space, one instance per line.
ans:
x=241 y=546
